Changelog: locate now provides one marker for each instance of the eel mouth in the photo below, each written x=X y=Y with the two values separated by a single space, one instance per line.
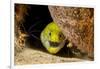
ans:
x=54 y=44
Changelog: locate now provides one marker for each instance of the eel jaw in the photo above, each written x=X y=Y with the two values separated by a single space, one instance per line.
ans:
x=55 y=47
x=54 y=44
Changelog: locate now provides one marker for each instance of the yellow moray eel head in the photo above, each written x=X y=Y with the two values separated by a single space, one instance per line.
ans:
x=52 y=38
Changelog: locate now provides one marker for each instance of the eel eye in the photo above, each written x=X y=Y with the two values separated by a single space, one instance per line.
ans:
x=50 y=33
x=60 y=35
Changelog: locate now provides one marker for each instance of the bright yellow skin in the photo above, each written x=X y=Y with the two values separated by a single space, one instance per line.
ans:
x=52 y=38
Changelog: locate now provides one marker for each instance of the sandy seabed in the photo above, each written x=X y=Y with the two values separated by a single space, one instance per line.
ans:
x=32 y=56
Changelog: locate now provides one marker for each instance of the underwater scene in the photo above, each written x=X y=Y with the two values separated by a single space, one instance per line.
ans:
x=45 y=34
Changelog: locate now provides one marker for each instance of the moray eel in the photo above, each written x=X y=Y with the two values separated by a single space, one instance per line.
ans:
x=52 y=38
